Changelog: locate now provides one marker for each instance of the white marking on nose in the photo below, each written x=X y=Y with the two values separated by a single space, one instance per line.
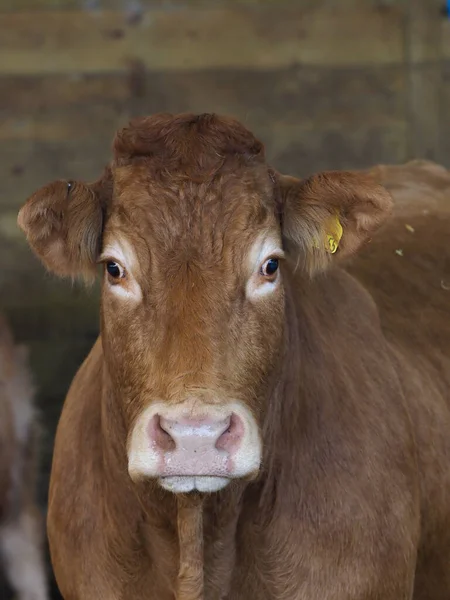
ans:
x=205 y=449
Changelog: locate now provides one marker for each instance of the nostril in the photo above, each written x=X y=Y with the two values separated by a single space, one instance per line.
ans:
x=230 y=439
x=160 y=436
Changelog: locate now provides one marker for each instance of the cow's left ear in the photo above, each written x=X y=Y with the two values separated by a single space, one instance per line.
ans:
x=330 y=215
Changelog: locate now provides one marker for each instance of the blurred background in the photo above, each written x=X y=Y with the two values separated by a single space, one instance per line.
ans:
x=324 y=84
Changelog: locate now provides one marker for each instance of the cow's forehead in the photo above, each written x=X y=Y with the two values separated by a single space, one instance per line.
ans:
x=135 y=182
x=174 y=210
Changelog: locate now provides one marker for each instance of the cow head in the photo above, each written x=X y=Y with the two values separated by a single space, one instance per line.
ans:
x=198 y=238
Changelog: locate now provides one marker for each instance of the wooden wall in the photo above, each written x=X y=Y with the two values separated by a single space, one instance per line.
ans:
x=324 y=83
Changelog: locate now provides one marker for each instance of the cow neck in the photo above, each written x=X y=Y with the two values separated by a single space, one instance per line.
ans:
x=284 y=420
x=190 y=539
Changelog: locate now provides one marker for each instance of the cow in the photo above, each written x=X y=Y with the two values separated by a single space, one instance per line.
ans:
x=21 y=523
x=255 y=420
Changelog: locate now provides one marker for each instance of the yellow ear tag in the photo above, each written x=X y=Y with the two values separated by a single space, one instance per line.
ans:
x=334 y=234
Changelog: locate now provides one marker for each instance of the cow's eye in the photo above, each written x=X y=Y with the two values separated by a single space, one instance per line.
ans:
x=115 y=271
x=270 y=268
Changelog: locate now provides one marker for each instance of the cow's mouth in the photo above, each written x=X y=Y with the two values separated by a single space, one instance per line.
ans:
x=182 y=484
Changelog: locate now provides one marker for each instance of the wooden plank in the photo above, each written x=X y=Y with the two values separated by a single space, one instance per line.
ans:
x=39 y=305
x=60 y=109
x=34 y=94
x=444 y=36
x=425 y=103
x=340 y=148
x=60 y=127
x=136 y=7
x=423 y=59
x=444 y=121
x=51 y=321
x=26 y=165
x=425 y=24
x=42 y=317
x=444 y=99
x=194 y=38
x=54 y=364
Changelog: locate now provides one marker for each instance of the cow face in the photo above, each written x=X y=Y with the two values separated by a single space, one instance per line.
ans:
x=194 y=233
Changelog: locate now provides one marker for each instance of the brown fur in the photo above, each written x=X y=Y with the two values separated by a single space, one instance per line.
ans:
x=21 y=526
x=190 y=539
x=349 y=383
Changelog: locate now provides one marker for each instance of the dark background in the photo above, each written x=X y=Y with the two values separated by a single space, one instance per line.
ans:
x=325 y=84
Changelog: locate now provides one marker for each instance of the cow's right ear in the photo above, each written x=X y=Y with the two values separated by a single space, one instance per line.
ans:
x=63 y=222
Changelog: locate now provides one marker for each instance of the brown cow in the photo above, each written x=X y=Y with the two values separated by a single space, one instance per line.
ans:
x=252 y=423
x=21 y=527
